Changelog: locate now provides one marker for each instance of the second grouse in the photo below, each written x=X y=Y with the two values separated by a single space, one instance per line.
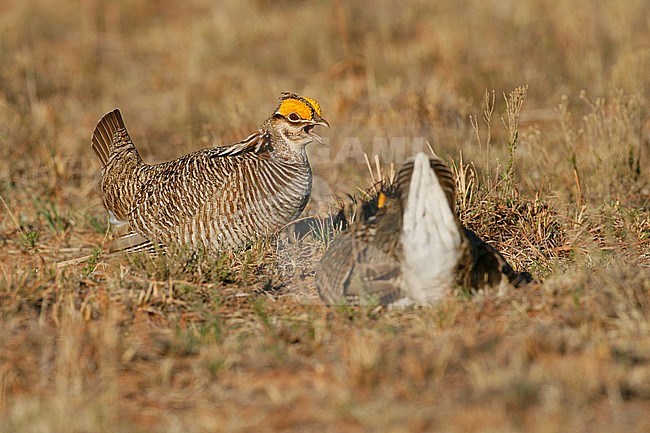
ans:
x=411 y=248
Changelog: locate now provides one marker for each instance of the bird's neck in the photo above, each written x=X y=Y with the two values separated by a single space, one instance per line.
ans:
x=283 y=148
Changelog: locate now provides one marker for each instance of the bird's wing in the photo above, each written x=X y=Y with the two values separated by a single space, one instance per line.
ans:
x=177 y=193
x=354 y=272
x=379 y=273
x=335 y=269
x=181 y=189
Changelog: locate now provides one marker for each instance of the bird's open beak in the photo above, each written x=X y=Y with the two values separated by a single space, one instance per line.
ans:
x=312 y=134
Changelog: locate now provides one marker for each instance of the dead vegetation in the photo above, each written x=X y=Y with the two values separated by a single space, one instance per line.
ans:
x=553 y=174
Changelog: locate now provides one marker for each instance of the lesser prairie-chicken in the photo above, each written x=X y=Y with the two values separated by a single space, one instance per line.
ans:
x=215 y=198
x=411 y=249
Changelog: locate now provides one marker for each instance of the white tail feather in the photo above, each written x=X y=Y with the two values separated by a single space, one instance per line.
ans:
x=430 y=237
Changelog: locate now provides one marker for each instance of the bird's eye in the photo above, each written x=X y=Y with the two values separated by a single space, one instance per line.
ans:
x=294 y=117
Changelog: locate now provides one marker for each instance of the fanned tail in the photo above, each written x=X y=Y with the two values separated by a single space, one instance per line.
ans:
x=445 y=177
x=104 y=133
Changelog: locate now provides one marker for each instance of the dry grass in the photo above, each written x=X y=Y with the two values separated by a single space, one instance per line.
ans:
x=239 y=342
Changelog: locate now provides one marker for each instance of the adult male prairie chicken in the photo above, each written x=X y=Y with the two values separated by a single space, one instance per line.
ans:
x=412 y=249
x=215 y=198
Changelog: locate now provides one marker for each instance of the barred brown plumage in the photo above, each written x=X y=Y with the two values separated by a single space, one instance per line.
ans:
x=411 y=249
x=214 y=198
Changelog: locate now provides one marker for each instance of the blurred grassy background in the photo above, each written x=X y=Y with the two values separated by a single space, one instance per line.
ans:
x=111 y=342
x=175 y=68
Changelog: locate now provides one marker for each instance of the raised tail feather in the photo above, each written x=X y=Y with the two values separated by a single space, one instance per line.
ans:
x=104 y=133
x=445 y=177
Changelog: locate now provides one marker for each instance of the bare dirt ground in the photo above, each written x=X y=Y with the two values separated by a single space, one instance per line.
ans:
x=92 y=342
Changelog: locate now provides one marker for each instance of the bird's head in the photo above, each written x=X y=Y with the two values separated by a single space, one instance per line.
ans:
x=296 y=117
